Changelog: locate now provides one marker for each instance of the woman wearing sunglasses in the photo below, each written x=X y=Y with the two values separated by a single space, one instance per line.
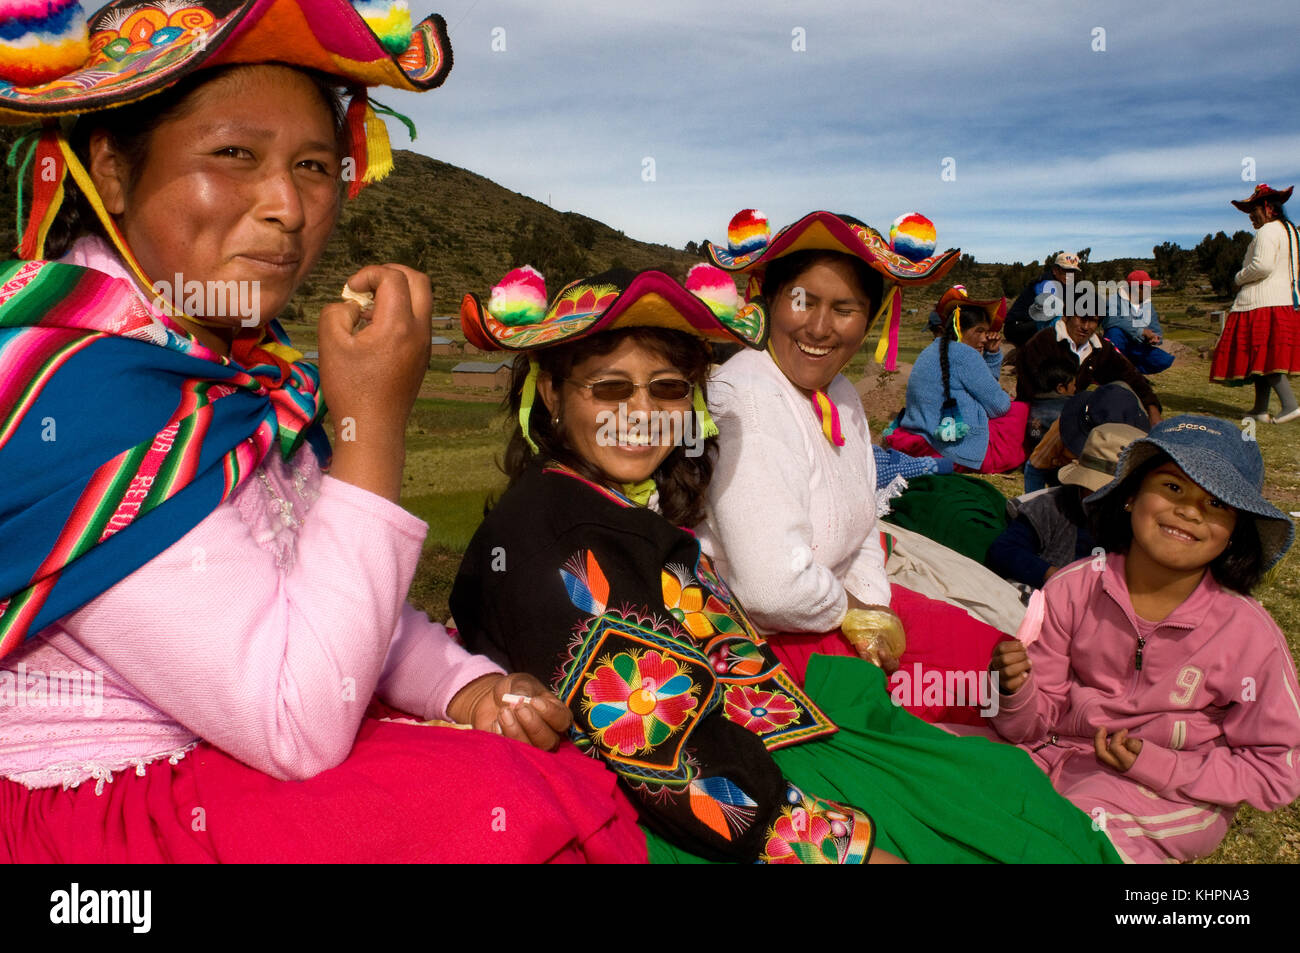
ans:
x=583 y=576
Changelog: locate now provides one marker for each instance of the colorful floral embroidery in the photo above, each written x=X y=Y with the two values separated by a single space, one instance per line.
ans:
x=636 y=700
x=699 y=610
x=811 y=830
x=758 y=710
x=778 y=711
x=685 y=603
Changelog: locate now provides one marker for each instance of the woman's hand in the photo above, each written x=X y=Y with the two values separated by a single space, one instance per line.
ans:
x=540 y=719
x=371 y=373
x=993 y=342
x=874 y=644
x=1119 y=752
x=1011 y=662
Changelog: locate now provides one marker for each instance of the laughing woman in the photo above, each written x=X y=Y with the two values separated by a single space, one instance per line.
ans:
x=584 y=576
x=167 y=533
x=791 y=516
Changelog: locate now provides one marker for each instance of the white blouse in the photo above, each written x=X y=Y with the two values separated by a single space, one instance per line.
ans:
x=1266 y=278
x=791 y=520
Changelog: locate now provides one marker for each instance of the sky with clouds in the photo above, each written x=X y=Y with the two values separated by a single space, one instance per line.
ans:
x=1054 y=144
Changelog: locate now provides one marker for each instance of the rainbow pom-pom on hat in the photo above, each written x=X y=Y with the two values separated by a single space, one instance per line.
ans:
x=715 y=288
x=519 y=298
x=747 y=232
x=913 y=236
x=41 y=40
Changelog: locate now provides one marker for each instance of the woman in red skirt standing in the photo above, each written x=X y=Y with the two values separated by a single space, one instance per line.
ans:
x=1261 y=339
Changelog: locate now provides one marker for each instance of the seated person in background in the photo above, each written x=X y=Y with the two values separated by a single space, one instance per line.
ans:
x=1048 y=529
x=1133 y=326
x=1033 y=308
x=955 y=406
x=1074 y=337
x=1057 y=377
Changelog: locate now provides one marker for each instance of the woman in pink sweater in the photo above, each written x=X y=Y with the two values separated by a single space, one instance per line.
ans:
x=1157 y=695
x=194 y=613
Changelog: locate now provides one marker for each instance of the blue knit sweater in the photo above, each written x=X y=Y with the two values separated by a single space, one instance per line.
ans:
x=973 y=381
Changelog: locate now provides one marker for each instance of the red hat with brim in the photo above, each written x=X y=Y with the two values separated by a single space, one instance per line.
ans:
x=1141 y=278
x=1261 y=193
x=957 y=297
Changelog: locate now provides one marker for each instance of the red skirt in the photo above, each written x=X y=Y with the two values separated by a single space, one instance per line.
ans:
x=1259 y=341
x=406 y=794
x=1006 y=449
x=941 y=639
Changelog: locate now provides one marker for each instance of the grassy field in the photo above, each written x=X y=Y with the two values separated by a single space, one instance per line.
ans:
x=453 y=447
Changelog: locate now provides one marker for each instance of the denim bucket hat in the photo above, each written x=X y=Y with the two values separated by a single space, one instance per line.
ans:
x=1223 y=462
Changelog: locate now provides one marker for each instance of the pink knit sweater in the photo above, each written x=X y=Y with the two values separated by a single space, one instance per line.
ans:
x=264 y=631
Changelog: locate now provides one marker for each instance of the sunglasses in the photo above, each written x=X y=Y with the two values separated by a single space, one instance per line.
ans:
x=661 y=388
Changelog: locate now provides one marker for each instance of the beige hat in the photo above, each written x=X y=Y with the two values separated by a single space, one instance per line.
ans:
x=1096 y=464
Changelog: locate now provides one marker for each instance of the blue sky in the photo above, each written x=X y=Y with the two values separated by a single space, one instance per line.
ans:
x=1056 y=145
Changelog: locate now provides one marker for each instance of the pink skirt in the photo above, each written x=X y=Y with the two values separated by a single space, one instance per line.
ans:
x=1006 y=449
x=406 y=794
x=941 y=638
x=1259 y=341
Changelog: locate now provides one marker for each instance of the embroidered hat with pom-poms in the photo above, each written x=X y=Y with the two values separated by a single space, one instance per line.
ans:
x=824 y=231
x=841 y=233
x=707 y=306
x=141 y=47
x=138 y=48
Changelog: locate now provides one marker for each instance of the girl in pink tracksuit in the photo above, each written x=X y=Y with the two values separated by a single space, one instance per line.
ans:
x=1157 y=695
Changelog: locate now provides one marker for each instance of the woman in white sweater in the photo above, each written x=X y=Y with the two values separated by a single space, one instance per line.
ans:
x=791 y=521
x=1261 y=337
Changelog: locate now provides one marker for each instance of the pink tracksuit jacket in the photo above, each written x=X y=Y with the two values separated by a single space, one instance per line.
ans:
x=1215 y=703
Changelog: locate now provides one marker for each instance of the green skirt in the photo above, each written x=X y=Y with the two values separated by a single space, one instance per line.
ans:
x=935 y=798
